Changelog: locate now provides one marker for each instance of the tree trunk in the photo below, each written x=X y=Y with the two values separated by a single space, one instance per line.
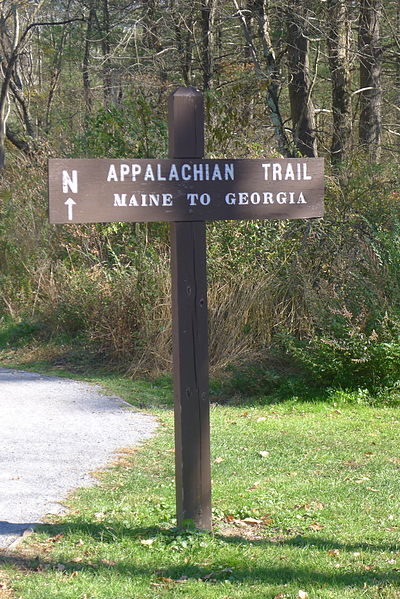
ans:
x=19 y=143
x=339 y=31
x=397 y=61
x=23 y=103
x=86 y=59
x=207 y=26
x=106 y=50
x=301 y=106
x=266 y=69
x=184 y=43
x=2 y=147
x=370 y=56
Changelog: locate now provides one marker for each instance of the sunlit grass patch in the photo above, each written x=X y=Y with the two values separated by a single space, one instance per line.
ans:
x=305 y=504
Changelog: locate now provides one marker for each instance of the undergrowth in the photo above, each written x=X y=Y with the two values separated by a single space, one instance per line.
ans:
x=315 y=300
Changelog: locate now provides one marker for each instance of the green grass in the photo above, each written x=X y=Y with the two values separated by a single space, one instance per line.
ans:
x=319 y=483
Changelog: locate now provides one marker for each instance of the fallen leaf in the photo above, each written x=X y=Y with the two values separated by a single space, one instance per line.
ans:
x=252 y=521
x=147 y=541
x=334 y=552
x=261 y=419
x=239 y=523
x=264 y=454
x=108 y=562
x=316 y=526
x=217 y=573
x=54 y=539
x=254 y=486
x=302 y=595
x=279 y=596
x=218 y=460
x=165 y=579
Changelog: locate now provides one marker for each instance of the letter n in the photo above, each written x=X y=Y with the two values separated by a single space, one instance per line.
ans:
x=70 y=182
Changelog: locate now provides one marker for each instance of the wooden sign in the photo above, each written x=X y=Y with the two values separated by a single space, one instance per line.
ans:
x=103 y=190
x=186 y=190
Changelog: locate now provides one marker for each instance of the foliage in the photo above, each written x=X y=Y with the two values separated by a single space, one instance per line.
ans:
x=315 y=299
x=349 y=357
x=303 y=500
x=123 y=131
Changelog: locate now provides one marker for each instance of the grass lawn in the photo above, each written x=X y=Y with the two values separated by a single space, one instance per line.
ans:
x=306 y=504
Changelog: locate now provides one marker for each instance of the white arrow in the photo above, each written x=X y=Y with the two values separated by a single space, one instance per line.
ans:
x=70 y=203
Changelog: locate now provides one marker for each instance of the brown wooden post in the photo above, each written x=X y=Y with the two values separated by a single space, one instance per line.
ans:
x=190 y=324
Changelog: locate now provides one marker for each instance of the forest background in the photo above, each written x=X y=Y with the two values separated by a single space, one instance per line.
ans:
x=310 y=303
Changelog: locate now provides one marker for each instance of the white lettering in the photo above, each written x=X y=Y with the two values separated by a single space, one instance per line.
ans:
x=70 y=182
x=198 y=172
x=281 y=197
x=289 y=173
x=268 y=199
x=302 y=199
x=216 y=173
x=205 y=199
x=266 y=168
x=173 y=173
x=112 y=173
x=167 y=199
x=136 y=170
x=230 y=199
x=160 y=177
x=149 y=173
x=133 y=201
x=124 y=170
x=244 y=198
x=186 y=172
x=255 y=198
x=229 y=172
x=276 y=171
x=192 y=197
x=154 y=199
x=119 y=199
x=306 y=176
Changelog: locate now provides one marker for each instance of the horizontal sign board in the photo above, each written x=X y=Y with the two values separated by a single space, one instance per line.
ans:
x=145 y=190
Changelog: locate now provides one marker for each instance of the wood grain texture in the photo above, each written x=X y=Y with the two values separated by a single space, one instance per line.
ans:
x=190 y=331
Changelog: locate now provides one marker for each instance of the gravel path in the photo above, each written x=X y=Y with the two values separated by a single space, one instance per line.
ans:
x=53 y=433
